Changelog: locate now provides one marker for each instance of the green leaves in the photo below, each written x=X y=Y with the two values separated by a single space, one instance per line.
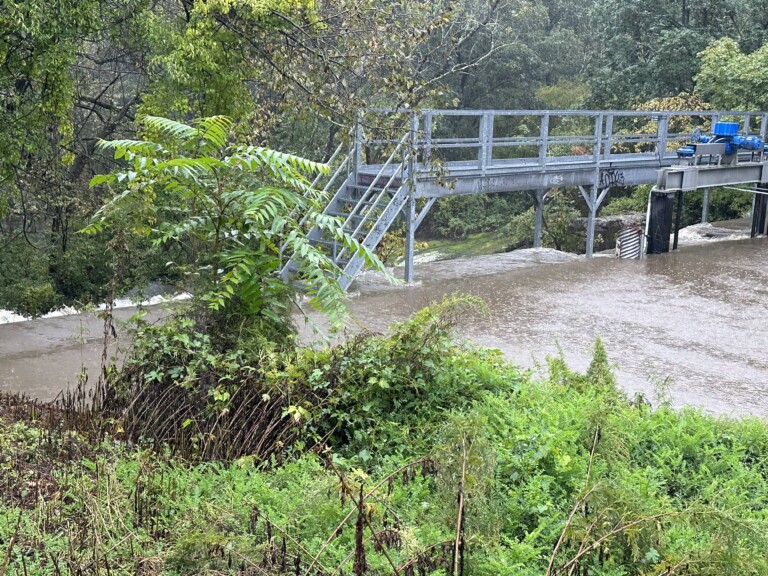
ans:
x=650 y=47
x=732 y=80
x=235 y=208
x=130 y=148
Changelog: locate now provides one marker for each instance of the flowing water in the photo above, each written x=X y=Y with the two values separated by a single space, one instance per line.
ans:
x=690 y=323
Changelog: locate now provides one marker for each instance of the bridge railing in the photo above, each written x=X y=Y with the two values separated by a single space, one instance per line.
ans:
x=486 y=139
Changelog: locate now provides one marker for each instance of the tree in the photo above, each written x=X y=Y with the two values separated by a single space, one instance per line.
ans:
x=69 y=77
x=74 y=73
x=235 y=210
x=496 y=54
x=649 y=48
x=730 y=79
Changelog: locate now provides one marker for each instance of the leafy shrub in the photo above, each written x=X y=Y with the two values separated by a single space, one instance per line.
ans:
x=388 y=392
x=458 y=216
x=556 y=474
x=38 y=299
x=723 y=204
x=637 y=201
x=559 y=213
x=370 y=394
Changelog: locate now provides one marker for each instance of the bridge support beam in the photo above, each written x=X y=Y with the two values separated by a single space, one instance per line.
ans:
x=760 y=212
x=705 y=206
x=659 y=222
x=410 y=231
x=538 y=201
x=678 y=217
x=593 y=201
x=410 y=204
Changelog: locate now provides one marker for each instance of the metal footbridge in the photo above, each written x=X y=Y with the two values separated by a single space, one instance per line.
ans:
x=398 y=163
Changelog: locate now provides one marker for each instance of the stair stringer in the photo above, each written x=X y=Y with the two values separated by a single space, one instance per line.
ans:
x=375 y=234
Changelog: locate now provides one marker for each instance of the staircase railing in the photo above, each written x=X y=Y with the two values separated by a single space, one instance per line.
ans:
x=375 y=185
x=343 y=166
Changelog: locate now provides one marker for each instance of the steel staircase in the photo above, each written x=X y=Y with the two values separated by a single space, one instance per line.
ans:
x=367 y=202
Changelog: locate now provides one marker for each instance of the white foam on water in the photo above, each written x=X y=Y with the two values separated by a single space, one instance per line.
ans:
x=8 y=317
x=707 y=232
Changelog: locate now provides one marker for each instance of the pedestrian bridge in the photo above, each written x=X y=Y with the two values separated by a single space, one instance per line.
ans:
x=401 y=162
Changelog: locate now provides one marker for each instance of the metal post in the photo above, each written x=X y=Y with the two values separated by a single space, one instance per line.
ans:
x=410 y=207
x=705 y=206
x=609 y=136
x=485 y=141
x=759 y=210
x=598 y=137
x=410 y=219
x=663 y=134
x=538 y=200
x=489 y=140
x=481 y=144
x=543 y=137
x=428 y=141
x=763 y=229
x=678 y=217
x=358 y=147
x=592 y=204
x=715 y=118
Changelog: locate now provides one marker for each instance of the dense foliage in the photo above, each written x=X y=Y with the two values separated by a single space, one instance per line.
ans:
x=236 y=213
x=650 y=48
x=221 y=446
x=292 y=74
x=433 y=460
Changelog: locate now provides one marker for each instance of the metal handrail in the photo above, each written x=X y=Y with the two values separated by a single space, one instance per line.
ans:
x=379 y=196
x=557 y=113
x=389 y=204
x=384 y=166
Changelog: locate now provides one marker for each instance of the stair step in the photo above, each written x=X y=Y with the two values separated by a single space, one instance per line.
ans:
x=362 y=202
x=366 y=179
x=346 y=215
x=328 y=243
x=365 y=187
x=366 y=217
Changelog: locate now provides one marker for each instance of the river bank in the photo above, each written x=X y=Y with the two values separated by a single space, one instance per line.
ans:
x=560 y=470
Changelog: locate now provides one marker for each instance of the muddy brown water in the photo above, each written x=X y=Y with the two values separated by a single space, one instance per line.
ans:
x=694 y=320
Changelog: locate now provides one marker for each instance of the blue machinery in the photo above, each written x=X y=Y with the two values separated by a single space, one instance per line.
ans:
x=724 y=144
x=398 y=163
x=726 y=158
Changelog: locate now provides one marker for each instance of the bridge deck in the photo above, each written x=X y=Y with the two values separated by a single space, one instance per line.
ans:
x=460 y=152
x=471 y=149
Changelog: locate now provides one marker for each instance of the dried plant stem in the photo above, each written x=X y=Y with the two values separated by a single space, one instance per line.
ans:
x=578 y=503
x=596 y=544
x=458 y=543
x=346 y=518
x=9 y=549
x=415 y=559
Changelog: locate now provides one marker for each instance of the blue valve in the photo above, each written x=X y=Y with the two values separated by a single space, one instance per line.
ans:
x=748 y=142
x=685 y=152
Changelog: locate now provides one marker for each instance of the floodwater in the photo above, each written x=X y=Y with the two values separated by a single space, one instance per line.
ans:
x=690 y=323
x=45 y=356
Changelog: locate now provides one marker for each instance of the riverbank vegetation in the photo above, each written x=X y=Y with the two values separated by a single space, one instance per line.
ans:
x=405 y=453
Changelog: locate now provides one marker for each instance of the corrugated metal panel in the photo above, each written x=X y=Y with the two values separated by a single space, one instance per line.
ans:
x=629 y=242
